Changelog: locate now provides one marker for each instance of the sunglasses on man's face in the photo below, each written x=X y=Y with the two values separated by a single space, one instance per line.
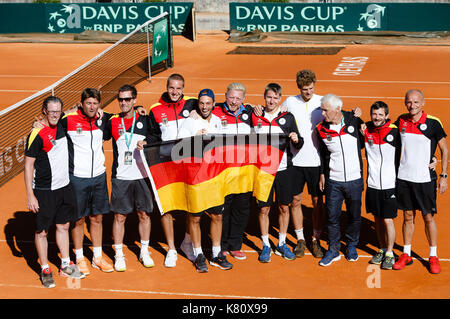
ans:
x=126 y=99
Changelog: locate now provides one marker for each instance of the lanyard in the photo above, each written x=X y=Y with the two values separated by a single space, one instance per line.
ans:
x=128 y=142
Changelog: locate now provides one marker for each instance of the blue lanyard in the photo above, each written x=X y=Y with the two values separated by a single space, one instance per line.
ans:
x=128 y=142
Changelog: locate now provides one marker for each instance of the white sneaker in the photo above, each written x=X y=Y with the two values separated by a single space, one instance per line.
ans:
x=188 y=249
x=146 y=260
x=119 y=264
x=171 y=259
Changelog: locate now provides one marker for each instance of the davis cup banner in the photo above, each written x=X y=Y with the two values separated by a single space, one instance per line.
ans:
x=113 y=17
x=339 y=17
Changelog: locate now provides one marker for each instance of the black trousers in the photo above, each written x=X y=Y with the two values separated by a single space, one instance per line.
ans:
x=234 y=220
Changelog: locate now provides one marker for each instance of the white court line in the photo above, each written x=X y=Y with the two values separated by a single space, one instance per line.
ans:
x=147 y=292
x=19 y=91
x=320 y=80
x=247 y=79
x=260 y=95
x=29 y=76
x=296 y=93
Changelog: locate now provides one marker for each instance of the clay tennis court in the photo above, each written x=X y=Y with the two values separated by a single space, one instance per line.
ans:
x=387 y=73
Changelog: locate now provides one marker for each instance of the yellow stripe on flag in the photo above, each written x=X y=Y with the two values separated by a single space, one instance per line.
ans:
x=199 y=197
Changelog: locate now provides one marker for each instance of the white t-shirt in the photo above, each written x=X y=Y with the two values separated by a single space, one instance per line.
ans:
x=190 y=126
x=274 y=114
x=307 y=115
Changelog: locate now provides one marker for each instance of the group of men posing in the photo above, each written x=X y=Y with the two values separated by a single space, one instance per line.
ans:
x=65 y=174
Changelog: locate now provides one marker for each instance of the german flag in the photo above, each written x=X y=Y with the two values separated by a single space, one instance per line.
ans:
x=196 y=173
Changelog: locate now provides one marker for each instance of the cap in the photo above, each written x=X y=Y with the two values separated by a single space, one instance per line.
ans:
x=207 y=92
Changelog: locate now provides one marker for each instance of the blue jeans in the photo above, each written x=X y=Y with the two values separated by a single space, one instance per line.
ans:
x=335 y=194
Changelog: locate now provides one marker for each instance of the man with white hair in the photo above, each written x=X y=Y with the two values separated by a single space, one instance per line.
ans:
x=235 y=118
x=340 y=144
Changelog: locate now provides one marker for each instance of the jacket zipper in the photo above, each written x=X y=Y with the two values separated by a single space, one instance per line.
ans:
x=381 y=155
x=92 y=151
x=176 y=117
x=343 y=157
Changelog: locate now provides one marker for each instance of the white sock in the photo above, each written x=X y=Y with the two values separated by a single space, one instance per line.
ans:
x=44 y=267
x=198 y=251
x=144 y=246
x=79 y=253
x=407 y=249
x=265 y=240
x=97 y=252
x=299 y=233
x=119 y=250
x=281 y=239
x=65 y=262
x=216 y=250
x=433 y=251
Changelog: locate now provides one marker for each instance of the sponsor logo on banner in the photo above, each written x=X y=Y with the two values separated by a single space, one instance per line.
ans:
x=372 y=18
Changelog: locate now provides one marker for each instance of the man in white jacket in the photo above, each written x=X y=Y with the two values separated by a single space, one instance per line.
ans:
x=205 y=123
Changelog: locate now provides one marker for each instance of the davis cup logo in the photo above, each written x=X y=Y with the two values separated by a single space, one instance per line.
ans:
x=68 y=17
x=372 y=17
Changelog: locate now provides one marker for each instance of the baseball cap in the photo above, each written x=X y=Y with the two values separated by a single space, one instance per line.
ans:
x=207 y=92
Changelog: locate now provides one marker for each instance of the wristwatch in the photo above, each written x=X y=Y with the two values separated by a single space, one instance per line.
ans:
x=443 y=175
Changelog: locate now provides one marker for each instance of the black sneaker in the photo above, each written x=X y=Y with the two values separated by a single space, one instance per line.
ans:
x=378 y=258
x=200 y=263
x=47 y=279
x=221 y=262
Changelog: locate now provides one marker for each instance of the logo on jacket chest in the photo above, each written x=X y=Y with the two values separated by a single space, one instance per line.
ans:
x=370 y=140
x=51 y=139
x=423 y=127
x=164 y=119
x=350 y=129
x=185 y=113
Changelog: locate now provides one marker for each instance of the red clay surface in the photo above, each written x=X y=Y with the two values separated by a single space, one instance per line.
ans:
x=387 y=74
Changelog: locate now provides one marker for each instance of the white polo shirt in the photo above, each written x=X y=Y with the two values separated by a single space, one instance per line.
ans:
x=191 y=126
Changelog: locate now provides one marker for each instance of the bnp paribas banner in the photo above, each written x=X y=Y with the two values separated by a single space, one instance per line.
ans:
x=113 y=17
x=342 y=17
